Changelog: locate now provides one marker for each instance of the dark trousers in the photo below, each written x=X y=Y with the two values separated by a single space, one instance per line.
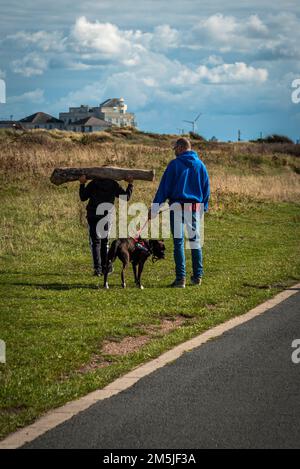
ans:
x=98 y=243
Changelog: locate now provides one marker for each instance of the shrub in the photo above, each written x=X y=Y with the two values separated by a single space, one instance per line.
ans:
x=95 y=137
x=275 y=138
x=196 y=136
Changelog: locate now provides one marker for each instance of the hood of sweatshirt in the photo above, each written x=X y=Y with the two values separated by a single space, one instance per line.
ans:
x=189 y=158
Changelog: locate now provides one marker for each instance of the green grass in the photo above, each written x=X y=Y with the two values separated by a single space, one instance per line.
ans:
x=54 y=318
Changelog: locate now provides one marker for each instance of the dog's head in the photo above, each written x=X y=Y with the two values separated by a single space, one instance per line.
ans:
x=158 y=248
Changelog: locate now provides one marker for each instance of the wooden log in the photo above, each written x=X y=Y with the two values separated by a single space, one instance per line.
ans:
x=62 y=175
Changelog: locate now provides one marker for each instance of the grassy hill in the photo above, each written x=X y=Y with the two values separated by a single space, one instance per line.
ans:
x=59 y=327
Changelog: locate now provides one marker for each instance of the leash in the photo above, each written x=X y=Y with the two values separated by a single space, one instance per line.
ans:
x=141 y=244
x=138 y=233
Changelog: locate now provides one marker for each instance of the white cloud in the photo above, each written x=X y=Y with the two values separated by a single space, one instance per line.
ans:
x=238 y=72
x=283 y=39
x=160 y=80
x=91 y=44
x=44 y=40
x=135 y=64
x=79 y=66
x=151 y=82
x=274 y=36
x=30 y=65
x=106 y=40
x=212 y=60
x=228 y=33
x=127 y=84
x=169 y=60
x=103 y=37
x=255 y=26
x=164 y=37
x=36 y=96
x=217 y=28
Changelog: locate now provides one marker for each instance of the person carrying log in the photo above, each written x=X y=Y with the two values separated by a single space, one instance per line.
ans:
x=100 y=191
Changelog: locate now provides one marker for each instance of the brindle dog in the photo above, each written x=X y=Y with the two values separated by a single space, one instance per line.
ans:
x=134 y=251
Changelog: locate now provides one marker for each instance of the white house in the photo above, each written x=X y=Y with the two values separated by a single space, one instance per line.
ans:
x=88 y=124
x=41 y=120
x=113 y=111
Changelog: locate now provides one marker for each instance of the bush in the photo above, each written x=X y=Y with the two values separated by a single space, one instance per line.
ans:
x=275 y=138
x=95 y=137
x=196 y=136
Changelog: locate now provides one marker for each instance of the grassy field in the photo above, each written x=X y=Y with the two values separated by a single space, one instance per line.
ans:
x=55 y=320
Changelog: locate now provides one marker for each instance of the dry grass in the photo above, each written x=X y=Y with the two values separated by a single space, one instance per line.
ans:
x=276 y=187
x=132 y=343
x=125 y=346
x=40 y=160
x=253 y=170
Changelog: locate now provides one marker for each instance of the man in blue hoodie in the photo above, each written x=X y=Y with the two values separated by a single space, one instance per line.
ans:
x=185 y=184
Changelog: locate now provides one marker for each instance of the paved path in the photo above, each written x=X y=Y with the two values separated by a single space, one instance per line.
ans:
x=239 y=390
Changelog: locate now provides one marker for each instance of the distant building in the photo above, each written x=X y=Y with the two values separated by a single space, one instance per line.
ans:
x=112 y=111
x=88 y=124
x=41 y=120
x=9 y=125
x=115 y=111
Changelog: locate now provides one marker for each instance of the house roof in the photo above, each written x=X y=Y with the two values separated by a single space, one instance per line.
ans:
x=41 y=118
x=111 y=102
x=11 y=125
x=91 y=121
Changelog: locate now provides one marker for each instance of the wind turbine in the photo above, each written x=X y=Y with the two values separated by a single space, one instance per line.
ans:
x=194 y=121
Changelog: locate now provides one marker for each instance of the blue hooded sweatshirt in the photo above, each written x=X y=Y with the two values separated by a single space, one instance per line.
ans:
x=184 y=180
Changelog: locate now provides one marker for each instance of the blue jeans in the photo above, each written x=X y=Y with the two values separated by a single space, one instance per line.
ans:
x=179 y=219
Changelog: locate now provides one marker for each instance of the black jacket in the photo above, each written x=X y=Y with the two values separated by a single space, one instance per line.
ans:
x=101 y=190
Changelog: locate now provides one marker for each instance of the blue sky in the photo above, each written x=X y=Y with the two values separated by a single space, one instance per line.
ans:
x=234 y=61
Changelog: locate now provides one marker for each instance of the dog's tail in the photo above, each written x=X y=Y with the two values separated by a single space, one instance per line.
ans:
x=113 y=250
x=111 y=256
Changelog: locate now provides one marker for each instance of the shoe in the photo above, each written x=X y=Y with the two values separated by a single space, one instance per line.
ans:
x=97 y=273
x=195 y=280
x=178 y=283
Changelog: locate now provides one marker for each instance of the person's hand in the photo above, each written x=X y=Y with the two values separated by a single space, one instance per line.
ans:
x=129 y=179
x=82 y=179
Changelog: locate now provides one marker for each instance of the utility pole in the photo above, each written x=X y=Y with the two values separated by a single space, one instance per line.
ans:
x=239 y=135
